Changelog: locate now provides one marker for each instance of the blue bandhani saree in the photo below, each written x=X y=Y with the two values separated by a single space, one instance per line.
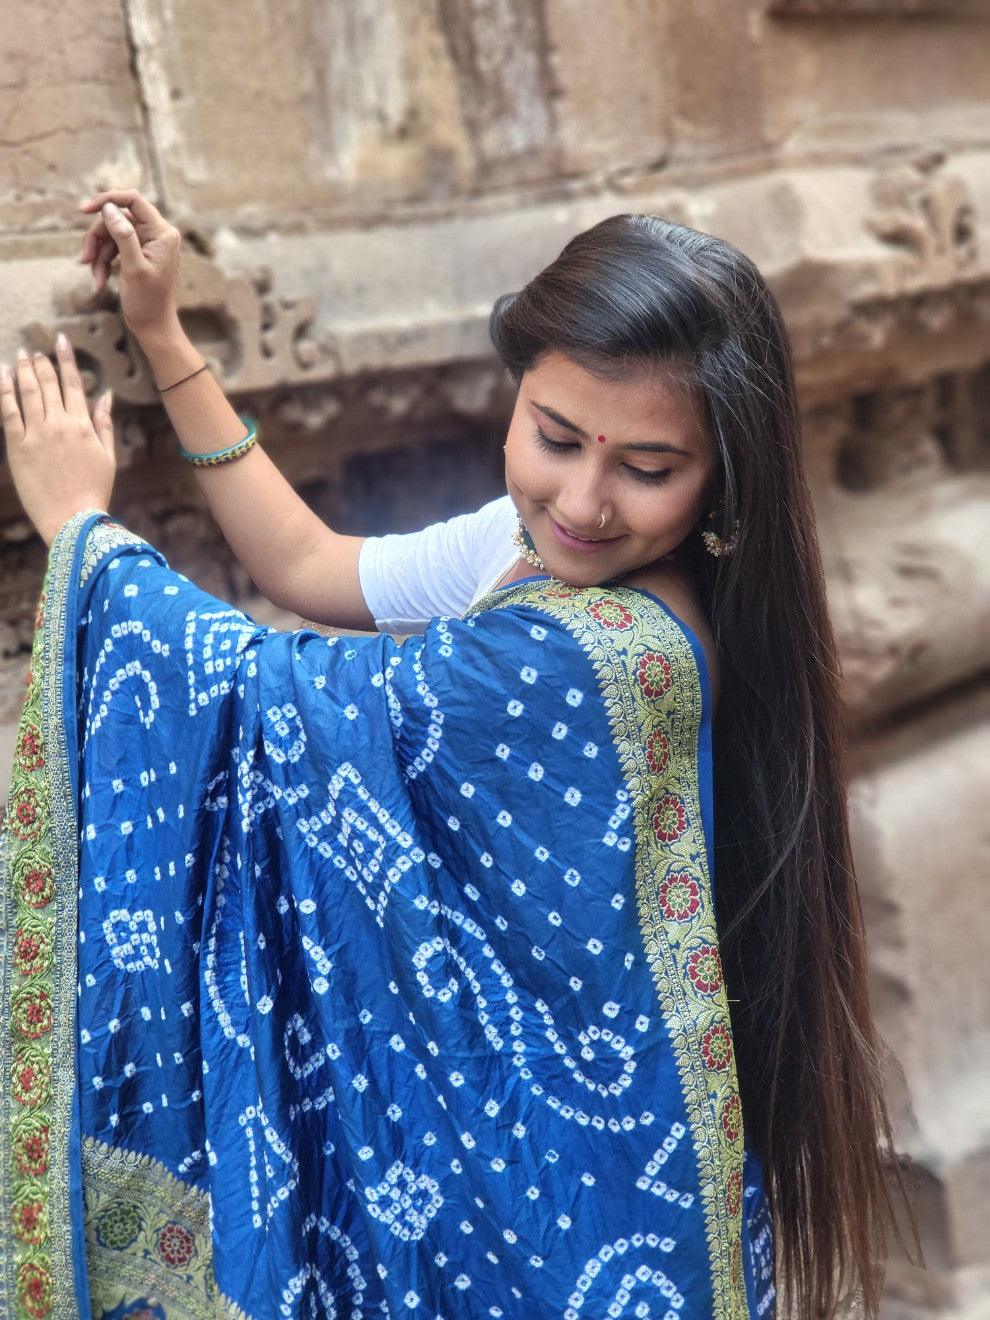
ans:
x=344 y=977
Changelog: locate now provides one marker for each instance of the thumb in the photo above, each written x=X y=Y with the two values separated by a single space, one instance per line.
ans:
x=103 y=422
x=123 y=234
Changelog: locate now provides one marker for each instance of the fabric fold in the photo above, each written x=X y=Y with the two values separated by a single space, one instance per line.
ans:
x=346 y=977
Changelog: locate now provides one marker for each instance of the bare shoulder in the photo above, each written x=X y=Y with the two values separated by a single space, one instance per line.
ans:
x=675 y=588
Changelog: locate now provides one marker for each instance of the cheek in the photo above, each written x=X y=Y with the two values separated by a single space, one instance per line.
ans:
x=657 y=512
x=528 y=470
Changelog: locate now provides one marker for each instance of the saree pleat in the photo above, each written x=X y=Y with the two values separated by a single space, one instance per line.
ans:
x=349 y=977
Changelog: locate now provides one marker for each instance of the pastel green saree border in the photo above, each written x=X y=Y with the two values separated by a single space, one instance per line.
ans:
x=38 y=1075
x=148 y=1235
x=38 y=887
x=619 y=629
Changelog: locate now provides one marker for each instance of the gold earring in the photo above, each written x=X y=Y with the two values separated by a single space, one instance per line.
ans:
x=524 y=541
x=715 y=544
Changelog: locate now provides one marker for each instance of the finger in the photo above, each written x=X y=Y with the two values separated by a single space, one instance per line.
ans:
x=141 y=208
x=73 y=393
x=32 y=404
x=95 y=235
x=103 y=421
x=10 y=413
x=51 y=392
x=104 y=260
x=124 y=234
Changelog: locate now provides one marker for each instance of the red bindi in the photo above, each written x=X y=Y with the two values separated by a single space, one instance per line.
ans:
x=601 y=439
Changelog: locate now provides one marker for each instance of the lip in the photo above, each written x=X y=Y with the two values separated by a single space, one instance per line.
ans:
x=575 y=542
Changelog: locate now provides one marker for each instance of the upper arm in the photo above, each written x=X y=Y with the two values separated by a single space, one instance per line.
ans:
x=397 y=582
x=325 y=586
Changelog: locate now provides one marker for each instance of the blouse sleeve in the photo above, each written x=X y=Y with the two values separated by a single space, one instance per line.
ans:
x=409 y=578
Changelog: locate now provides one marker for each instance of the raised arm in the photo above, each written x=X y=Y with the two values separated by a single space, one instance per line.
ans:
x=291 y=555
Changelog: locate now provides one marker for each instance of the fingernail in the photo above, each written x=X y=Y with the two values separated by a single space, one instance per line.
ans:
x=22 y=355
x=62 y=342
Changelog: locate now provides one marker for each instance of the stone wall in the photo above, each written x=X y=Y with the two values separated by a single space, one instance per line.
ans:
x=358 y=180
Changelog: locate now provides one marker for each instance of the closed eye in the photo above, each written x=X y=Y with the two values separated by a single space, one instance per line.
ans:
x=559 y=446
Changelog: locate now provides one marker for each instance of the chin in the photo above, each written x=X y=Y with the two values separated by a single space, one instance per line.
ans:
x=573 y=574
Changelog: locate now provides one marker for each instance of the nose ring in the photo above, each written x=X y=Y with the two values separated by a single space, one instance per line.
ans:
x=602 y=523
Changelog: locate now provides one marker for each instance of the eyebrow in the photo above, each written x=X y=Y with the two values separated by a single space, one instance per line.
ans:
x=645 y=447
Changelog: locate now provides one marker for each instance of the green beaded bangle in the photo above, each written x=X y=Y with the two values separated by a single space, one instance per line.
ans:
x=228 y=454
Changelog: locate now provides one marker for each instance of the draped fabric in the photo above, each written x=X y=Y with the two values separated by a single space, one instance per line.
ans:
x=344 y=977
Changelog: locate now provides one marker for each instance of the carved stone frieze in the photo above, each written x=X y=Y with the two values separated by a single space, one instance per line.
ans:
x=252 y=337
x=878 y=8
x=930 y=214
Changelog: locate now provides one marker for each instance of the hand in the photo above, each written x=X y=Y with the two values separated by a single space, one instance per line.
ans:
x=148 y=247
x=60 y=460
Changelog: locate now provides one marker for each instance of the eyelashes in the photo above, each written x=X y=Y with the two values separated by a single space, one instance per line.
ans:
x=560 y=447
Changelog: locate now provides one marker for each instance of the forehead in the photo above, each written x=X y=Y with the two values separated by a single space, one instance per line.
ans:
x=643 y=406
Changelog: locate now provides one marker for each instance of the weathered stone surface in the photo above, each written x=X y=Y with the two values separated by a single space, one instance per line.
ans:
x=70 y=114
x=881 y=272
x=909 y=590
x=922 y=850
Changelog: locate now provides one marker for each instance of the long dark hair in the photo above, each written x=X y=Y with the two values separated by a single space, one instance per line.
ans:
x=636 y=293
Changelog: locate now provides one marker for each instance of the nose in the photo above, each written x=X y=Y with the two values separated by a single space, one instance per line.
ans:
x=580 y=504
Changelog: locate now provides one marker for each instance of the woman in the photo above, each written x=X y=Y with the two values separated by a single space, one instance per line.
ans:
x=400 y=986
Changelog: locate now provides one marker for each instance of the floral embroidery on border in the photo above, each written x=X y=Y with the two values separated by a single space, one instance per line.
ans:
x=38 y=885
x=29 y=923
x=649 y=679
x=148 y=1232
x=38 y=889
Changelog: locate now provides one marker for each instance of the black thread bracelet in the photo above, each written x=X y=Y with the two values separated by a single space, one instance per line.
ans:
x=166 y=388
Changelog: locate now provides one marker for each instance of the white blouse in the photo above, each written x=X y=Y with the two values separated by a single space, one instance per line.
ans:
x=409 y=578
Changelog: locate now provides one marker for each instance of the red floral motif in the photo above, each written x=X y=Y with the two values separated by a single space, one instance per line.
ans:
x=32 y=951
x=669 y=818
x=28 y=676
x=679 y=896
x=31 y=1013
x=176 y=1245
x=737 y=1269
x=28 y=750
x=705 y=969
x=610 y=613
x=34 y=1289
x=32 y=1079
x=733 y=1192
x=654 y=673
x=35 y=883
x=30 y=1221
x=26 y=815
x=39 y=615
x=658 y=751
x=30 y=1145
x=716 y=1048
x=732 y=1117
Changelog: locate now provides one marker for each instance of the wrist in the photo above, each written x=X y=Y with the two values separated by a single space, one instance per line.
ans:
x=169 y=351
x=167 y=329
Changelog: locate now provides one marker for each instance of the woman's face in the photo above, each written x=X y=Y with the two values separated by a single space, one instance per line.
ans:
x=650 y=475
